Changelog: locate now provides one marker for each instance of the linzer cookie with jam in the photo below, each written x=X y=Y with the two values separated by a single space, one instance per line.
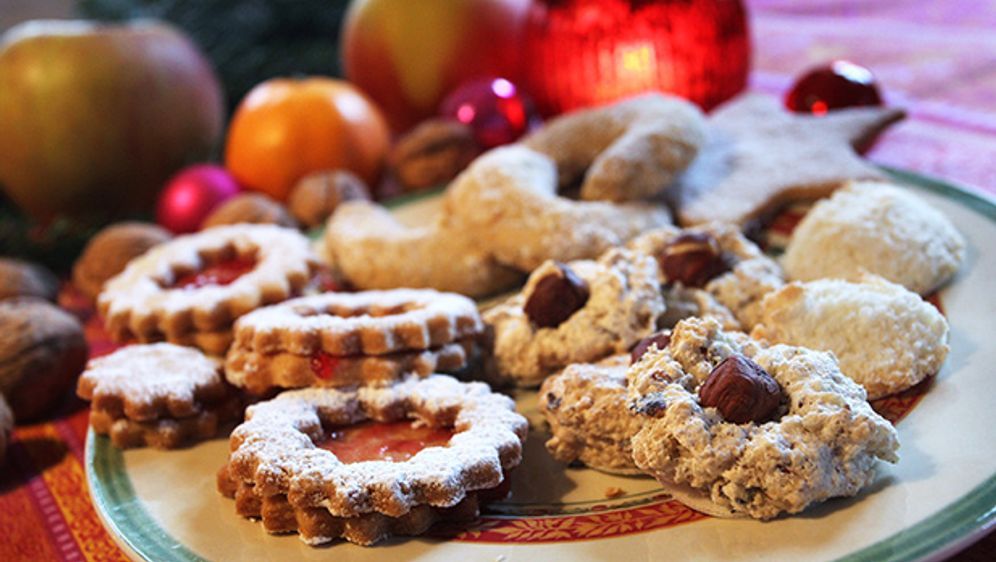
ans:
x=160 y=395
x=343 y=339
x=191 y=290
x=367 y=463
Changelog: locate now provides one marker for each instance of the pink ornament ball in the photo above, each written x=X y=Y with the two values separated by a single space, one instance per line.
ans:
x=192 y=194
x=494 y=108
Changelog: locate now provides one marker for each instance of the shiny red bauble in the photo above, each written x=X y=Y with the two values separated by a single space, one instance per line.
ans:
x=836 y=85
x=494 y=108
x=586 y=52
x=191 y=195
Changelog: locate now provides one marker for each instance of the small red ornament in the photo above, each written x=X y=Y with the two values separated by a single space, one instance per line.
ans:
x=496 y=110
x=192 y=194
x=837 y=85
x=580 y=53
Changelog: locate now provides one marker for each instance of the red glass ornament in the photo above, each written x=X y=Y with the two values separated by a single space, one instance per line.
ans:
x=837 y=85
x=192 y=194
x=496 y=110
x=587 y=52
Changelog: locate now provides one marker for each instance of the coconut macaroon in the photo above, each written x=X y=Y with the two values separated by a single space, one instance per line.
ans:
x=733 y=428
x=879 y=228
x=886 y=338
x=590 y=422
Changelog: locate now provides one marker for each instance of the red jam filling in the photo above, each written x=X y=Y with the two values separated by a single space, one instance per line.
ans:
x=219 y=273
x=324 y=365
x=383 y=441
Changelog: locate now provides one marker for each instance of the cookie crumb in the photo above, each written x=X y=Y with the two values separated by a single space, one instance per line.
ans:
x=613 y=492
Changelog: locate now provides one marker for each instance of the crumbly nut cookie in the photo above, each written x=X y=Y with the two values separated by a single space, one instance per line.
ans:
x=160 y=395
x=886 y=338
x=624 y=151
x=110 y=250
x=507 y=202
x=717 y=259
x=879 y=228
x=823 y=441
x=590 y=421
x=191 y=289
x=622 y=306
x=289 y=462
x=375 y=251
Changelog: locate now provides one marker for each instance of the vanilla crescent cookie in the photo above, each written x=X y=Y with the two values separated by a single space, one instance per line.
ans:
x=886 y=338
x=342 y=339
x=879 y=228
x=819 y=438
x=577 y=312
x=191 y=289
x=711 y=260
x=375 y=251
x=589 y=417
x=507 y=202
x=628 y=150
x=160 y=395
x=367 y=463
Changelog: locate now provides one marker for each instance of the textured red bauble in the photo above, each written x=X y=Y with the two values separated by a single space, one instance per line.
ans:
x=836 y=85
x=494 y=108
x=192 y=194
x=586 y=52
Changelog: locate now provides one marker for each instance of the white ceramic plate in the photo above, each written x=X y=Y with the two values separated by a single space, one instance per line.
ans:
x=942 y=494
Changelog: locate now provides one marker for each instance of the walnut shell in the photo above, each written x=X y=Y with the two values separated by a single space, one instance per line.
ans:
x=24 y=279
x=42 y=351
x=6 y=426
x=253 y=208
x=433 y=153
x=110 y=250
x=317 y=195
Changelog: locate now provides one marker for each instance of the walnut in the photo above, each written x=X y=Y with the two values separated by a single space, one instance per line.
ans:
x=317 y=195
x=23 y=279
x=253 y=208
x=110 y=250
x=433 y=153
x=42 y=351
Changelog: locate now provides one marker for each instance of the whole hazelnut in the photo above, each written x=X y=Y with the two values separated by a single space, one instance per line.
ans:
x=42 y=351
x=253 y=208
x=317 y=195
x=110 y=250
x=23 y=279
x=433 y=153
x=556 y=296
x=660 y=339
x=741 y=390
x=692 y=258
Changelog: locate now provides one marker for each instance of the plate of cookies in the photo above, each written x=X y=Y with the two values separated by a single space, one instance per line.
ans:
x=639 y=332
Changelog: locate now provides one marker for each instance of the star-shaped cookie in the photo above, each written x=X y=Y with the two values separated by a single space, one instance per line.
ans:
x=759 y=157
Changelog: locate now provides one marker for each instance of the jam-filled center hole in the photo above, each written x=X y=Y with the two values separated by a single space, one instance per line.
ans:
x=395 y=441
x=222 y=270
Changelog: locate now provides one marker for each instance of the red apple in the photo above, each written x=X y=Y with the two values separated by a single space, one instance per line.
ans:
x=409 y=55
x=95 y=118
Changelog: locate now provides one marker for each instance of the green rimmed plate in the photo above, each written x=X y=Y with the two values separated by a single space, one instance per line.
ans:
x=942 y=494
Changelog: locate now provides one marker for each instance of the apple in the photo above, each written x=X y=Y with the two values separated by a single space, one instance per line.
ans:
x=407 y=56
x=94 y=118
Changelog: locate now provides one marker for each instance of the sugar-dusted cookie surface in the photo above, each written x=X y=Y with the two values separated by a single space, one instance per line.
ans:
x=620 y=305
x=758 y=157
x=590 y=421
x=879 y=228
x=886 y=338
x=822 y=441
x=627 y=150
